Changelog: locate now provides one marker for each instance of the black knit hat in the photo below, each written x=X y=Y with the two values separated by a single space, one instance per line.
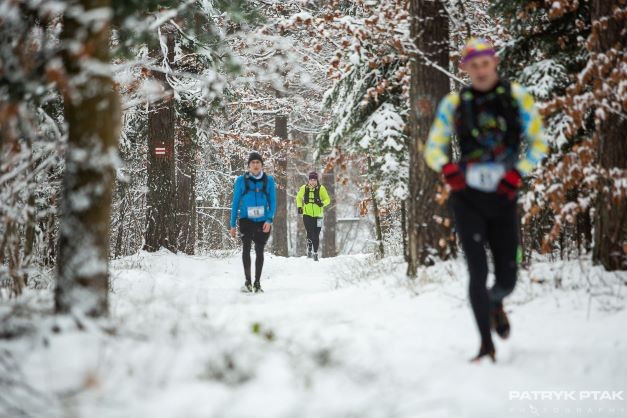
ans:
x=254 y=156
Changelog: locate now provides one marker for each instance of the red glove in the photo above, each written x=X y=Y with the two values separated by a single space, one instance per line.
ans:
x=509 y=184
x=454 y=177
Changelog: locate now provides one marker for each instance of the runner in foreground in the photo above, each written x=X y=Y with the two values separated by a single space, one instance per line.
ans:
x=490 y=118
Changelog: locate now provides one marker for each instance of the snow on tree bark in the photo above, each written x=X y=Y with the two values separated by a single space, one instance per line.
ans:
x=92 y=113
x=279 y=233
x=186 y=187
x=161 y=196
x=429 y=28
x=329 y=247
x=610 y=241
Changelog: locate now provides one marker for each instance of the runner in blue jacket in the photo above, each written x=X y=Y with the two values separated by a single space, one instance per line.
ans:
x=254 y=202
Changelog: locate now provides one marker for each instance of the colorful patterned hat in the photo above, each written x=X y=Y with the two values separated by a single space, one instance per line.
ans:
x=475 y=47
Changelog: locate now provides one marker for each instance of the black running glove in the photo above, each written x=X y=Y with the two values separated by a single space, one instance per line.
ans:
x=300 y=211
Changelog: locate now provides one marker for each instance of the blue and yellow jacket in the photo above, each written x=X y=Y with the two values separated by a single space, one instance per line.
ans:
x=251 y=197
x=436 y=151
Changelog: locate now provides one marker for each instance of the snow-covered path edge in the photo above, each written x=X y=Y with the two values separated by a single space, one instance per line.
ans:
x=343 y=337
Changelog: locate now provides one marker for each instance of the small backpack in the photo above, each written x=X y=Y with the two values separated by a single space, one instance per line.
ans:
x=264 y=189
x=316 y=194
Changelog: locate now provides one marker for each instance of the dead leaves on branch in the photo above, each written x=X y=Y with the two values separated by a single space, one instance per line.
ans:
x=572 y=180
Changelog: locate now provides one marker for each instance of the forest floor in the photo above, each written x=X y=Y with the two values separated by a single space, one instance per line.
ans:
x=345 y=337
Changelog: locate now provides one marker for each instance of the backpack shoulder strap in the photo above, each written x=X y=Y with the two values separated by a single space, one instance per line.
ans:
x=466 y=111
x=307 y=191
x=246 y=176
x=264 y=188
x=509 y=105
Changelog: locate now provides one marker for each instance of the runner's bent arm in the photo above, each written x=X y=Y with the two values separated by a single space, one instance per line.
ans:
x=532 y=130
x=272 y=197
x=324 y=196
x=436 y=149
x=300 y=196
x=237 y=195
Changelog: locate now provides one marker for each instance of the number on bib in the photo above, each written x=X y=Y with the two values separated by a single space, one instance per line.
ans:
x=256 y=212
x=484 y=176
x=319 y=222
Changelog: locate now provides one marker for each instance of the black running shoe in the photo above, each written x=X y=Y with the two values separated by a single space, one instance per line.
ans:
x=486 y=351
x=247 y=288
x=258 y=288
x=499 y=322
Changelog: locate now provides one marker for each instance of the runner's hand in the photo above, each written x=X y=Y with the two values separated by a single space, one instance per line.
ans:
x=454 y=177
x=266 y=227
x=300 y=211
x=233 y=232
x=510 y=183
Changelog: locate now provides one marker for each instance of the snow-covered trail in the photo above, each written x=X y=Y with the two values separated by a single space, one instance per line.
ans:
x=322 y=343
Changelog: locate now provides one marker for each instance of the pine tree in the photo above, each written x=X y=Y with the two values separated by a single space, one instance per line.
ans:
x=544 y=50
x=571 y=56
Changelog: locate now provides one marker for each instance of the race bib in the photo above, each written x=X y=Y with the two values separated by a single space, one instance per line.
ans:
x=484 y=176
x=319 y=222
x=256 y=212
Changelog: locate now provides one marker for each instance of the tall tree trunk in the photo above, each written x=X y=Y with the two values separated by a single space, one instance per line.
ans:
x=29 y=233
x=404 y=229
x=161 y=196
x=279 y=232
x=429 y=29
x=31 y=223
x=377 y=224
x=329 y=246
x=51 y=236
x=610 y=246
x=186 y=187
x=377 y=215
x=187 y=152
x=92 y=113
x=121 y=197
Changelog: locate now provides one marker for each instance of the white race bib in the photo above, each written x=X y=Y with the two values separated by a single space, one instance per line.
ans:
x=256 y=212
x=484 y=176
x=319 y=222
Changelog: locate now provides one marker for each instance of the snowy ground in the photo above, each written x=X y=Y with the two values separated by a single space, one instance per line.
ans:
x=344 y=337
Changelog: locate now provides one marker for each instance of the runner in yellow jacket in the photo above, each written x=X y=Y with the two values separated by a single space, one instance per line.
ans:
x=311 y=201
